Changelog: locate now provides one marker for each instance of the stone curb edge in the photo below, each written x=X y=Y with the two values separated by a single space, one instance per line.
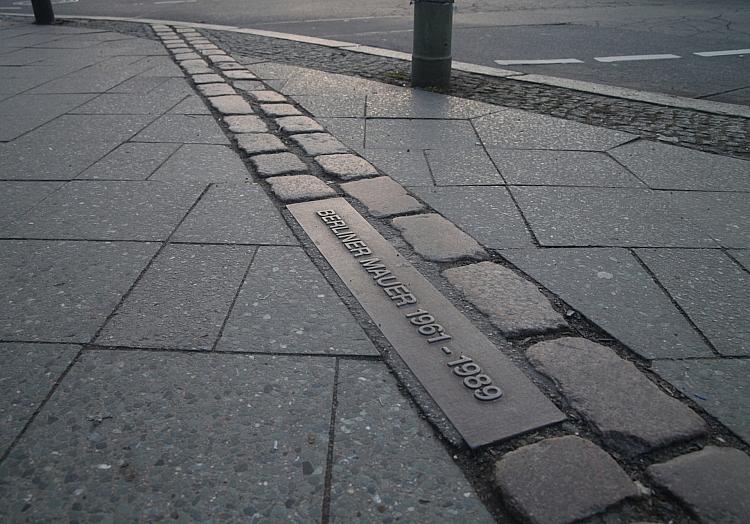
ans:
x=661 y=99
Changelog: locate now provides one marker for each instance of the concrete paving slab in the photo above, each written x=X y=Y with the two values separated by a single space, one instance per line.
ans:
x=235 y=214
x=743 y=257
x=711 y=289
x=139 y=85
x=203 y=163
x=486 y=213
x=724 y=216
x=156 y=102
x=350 y=131
x=182 y=299
x=664 y=166
x=561 y=168
x=567 y=216
x=463 y=167
x=407 y=167
x=64 y=291
x=97 y=78
x=413 y=478
x=191 y=105
x=717 y=385
x=415 y=103
x=286 y=306
x=130 y=161
x=186 y=129
x=16 y=198
x=516 y=129
x=29 y=372
x=22 y=113
x=108 y=210
x=79 y=141
x=610 y=288
x=161 y=433
x=347 y=106
x=419 y=134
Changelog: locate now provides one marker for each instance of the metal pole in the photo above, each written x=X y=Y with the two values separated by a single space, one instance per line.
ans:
x=43 y=12
x=431 y=53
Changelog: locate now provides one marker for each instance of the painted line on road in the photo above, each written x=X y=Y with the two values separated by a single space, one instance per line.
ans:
x=728 y=52
x=633 y=58
x=539 y=62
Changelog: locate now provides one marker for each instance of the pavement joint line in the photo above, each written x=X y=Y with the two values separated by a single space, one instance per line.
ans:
x=661 y=99
x=328 y=479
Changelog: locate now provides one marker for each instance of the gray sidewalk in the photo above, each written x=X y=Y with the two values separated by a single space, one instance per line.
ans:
x=174 y=346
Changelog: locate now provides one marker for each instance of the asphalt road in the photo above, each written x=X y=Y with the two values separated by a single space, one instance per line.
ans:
x=589 y=32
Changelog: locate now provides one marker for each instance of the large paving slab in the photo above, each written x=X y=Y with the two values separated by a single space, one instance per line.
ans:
x=413 y=478
x=400 y=134
x=286 y=306
x=407 y=167
x=23 y=113
x=561 y=168
x=463 y=167
x=130 y=161
x=18 y=197
x=235 y=214
x=530 y=480
x=95 y=79
x=743 y=257
x=28 y=374
x=182 y=299
x=516 y=129
x=186 y=129
x=346 y=106
x=201 y=162
x=718 y=385
x=487 y=213
x=108 y=210
x=711 y=289
x=155 y=436
x=630 y=412
x=437 y=239
x=415 y=103
x=79 y=141
x=713 y=482
x=155 y=102
x=724 y=216
x=664 y=166
x=610 y=288
x=64 y=291
x=573 y=216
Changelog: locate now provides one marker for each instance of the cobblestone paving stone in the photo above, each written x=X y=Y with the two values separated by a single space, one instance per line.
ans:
x=299 y=188
x=437 y=239
x=382 y=196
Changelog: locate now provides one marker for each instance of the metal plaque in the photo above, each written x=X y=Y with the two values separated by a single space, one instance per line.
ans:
x=484 y=395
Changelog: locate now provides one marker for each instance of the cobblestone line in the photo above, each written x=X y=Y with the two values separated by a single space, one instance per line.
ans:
x=605 y=432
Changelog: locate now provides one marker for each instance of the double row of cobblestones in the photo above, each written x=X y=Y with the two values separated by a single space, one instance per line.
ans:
x=629 y=414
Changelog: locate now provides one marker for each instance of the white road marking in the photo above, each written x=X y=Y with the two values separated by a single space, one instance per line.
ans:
x=632 y=58
x=724 y=53
x=540 y=62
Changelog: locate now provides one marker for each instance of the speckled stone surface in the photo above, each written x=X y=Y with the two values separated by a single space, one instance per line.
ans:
x=29 y=371
x=246 y=124
x=130 y=161
x=315 y=144
x=18 y=197
x=183 y=128
x=516 y=129
x=413 y=478
x=382 y=196
x=287 y=306
x=239 y=75
x=592 y=480
x=723 y=215
x=278 y=164
x=182 y=299
x=267 y=96
x=257 y=143
x=514 y=305
x=408 y=168
x=279 y=109
x=456 y=167
x=711 y=289
x=217 y=59
x=64 y=291
x=717 y=385
x=207 y=79
x=610 y=288
x=192 y=105
x=630 y=412
x=217 y=89
x=420 y=134
x=417 y=103
x=299 y=188
x=108 y=210
x=235 y=214
x=437 y=239
x=298 y=124
x=153 y=436
x=203 y=163
x=346 y=166
x=248 y=85
x=714 y=483
x=664 y=166
x=229 y=66
x=488 y=214
x=180 y=57
x=231 y=105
